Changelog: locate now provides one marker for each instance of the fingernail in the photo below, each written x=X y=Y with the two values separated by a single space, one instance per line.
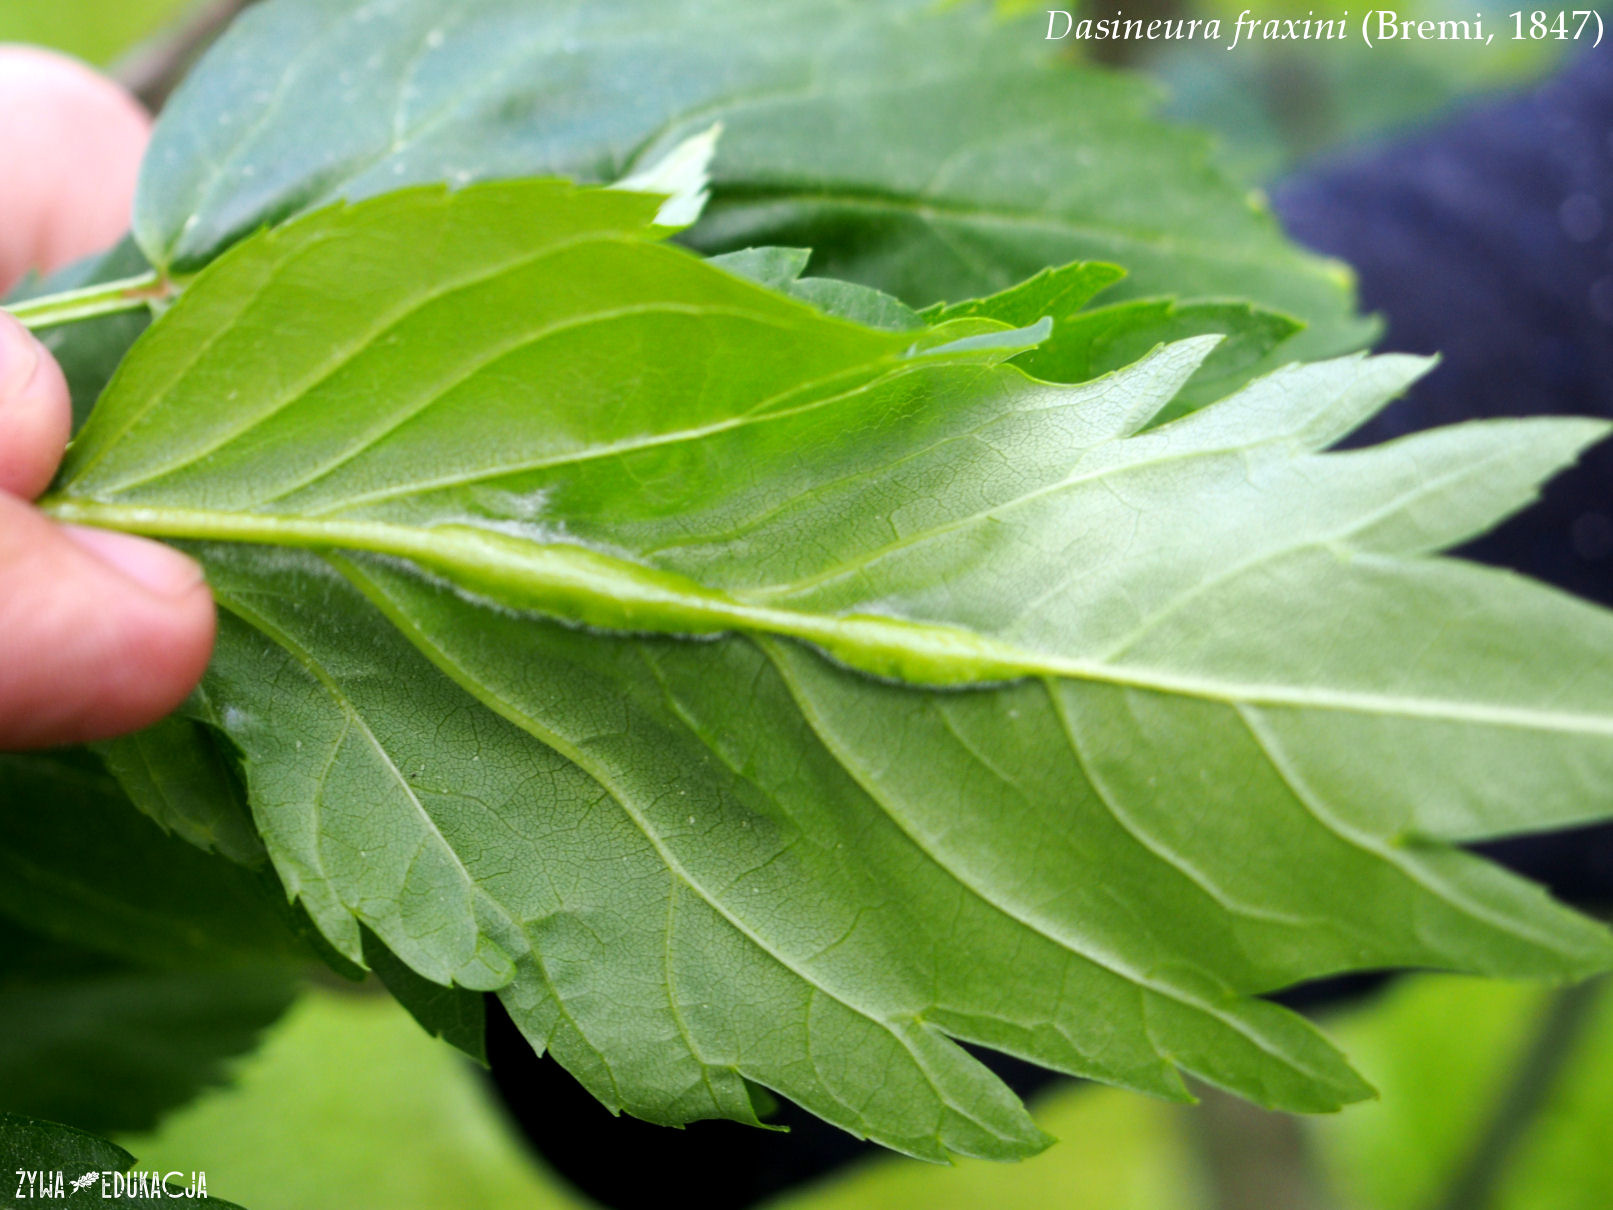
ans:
x=155 y=567
x=19 y=357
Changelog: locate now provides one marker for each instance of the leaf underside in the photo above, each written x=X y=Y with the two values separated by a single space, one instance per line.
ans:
x=467 y=470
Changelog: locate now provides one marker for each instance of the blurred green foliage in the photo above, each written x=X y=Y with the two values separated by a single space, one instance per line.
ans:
x=1275 y=105
x=1442 y=1052
x=1116 y=1151
x=349 y=1103
x=97 y=31
x=1438 y=1052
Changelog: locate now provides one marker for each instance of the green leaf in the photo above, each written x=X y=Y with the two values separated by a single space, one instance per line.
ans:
x=1115 y=1152
x=934 y=152
x=453 y=1014
x=80 y=864
x=410 y=1127
x=1058 y=292
x=94 y=30
x=1220 y=707
x=175 y=773
x=1102 y=340
x=1447 y=1054
x=48 y=1158
x=33 y=1143
x=1082 y=346
x=1087 y=344
x=109 y=1047
x=781 y=269
x=89 y=351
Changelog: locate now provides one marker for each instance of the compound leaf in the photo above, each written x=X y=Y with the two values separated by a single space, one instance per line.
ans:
x=472 y=471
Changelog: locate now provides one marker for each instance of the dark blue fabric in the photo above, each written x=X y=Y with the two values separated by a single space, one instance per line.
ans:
x=1489 y=240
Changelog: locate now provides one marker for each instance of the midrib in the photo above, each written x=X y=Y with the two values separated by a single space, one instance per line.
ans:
x=576 y=585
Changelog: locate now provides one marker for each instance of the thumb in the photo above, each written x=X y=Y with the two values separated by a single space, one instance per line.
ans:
x=100 y=633
x=71 y=143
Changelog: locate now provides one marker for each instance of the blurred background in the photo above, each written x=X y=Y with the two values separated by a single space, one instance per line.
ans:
x=1274 y=107
x=1492 y=1095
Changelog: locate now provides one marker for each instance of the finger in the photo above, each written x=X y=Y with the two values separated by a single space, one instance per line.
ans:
x=71 y=142
x=100 y=633
x=35 y=412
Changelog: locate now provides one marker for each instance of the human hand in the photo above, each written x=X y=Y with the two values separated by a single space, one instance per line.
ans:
x=100 y=633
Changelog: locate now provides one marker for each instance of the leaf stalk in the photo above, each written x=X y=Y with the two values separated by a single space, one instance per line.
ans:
x=91 y=302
